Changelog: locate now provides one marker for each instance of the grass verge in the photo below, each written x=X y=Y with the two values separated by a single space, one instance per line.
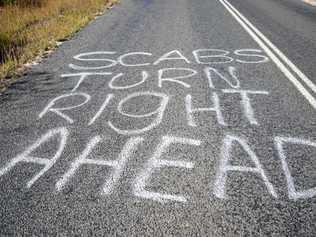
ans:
x=28 y=31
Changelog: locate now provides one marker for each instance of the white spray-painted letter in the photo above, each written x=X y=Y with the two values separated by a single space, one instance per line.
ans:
x=59 y=111
x=107 y=100
x=155 y=163
x=232 y=82
x=176 y=79
x=215 y=56
x=216 y=108
x=118 y=165
x=251 y=53
x=225 y=167
x=127 y=55
x=26 y=156
x=293 y=192
x=81 y=57
x=82 y=76
x=169 y=56
x=159 y=112
x=245 y=102
x=144 y=78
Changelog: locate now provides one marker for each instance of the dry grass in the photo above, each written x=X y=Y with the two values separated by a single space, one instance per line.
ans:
x=26 y=32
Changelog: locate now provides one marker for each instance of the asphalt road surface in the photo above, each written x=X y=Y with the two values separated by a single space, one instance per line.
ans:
x=167 y=118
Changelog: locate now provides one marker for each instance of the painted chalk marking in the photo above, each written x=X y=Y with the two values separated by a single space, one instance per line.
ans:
x=111 y=86
x=201 y=56
x=175 y=79
x=159 y=112
x=155 y=163
x=293 y=192
x=219 y=54
x=117 y=165
x=168 y=56
x=82 y=76
x=26 y=156
x=248 y=53
x=124 y=56
x=81 y=57
x=59 y=111
x=234 y=82
x=216 y=108
x=245 y=102
x=107 y=100
x=224 y=167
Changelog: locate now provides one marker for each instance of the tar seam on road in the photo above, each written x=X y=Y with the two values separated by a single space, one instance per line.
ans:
x=264 y=43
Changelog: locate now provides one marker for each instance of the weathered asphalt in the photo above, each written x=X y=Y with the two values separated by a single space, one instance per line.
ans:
x=290 y=24
x=248 y=208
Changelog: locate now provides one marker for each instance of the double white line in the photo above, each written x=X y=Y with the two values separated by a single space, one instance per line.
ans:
x=281 y=61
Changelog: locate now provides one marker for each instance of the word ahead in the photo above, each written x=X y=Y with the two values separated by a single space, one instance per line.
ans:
x=157 y=161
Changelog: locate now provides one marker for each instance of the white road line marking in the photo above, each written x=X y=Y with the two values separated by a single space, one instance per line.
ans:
x=256 y=34
x=276 y=50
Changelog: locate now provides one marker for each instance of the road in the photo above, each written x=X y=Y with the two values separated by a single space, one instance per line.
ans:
x=167 y=118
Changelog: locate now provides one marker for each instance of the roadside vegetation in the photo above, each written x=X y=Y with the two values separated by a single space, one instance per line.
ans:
x=28 y=28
